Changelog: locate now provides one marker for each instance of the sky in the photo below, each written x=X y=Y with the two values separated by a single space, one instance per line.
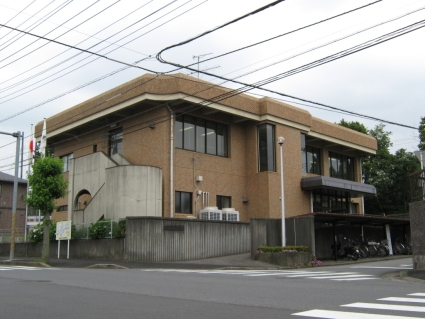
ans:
x=39 y=78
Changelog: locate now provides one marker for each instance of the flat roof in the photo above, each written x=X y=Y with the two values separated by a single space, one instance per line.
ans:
x=355 y=189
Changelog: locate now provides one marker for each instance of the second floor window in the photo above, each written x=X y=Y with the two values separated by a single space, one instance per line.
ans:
x=66 y=161
x=183 y=203
x=115 y=142
x=266 y=148
x=311 y=162
x=201 y=136
x=341 y=166
x=223 y=202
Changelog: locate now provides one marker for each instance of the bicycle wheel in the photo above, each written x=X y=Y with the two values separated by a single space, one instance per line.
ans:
x=382 y=251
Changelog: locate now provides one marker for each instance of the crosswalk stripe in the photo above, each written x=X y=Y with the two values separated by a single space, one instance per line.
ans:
x=308 y=274
x=330 y=314
x=289 y=274
x=20 y=268
x=385 y=307
x=419 y=300
x=353 y=279
x=372 y=267
x=419 y=294
x=340 y=276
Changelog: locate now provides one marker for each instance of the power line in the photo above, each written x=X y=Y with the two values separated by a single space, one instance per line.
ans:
x=16 y=16
x=49 y=33
x=280 y=35
x=107 y=53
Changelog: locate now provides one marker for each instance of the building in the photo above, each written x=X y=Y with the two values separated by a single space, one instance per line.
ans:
x=6 y=204
x=170 y=145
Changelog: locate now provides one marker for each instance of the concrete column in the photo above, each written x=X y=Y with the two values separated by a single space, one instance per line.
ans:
x=417 y=227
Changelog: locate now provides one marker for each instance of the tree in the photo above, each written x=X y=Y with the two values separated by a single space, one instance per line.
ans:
x=46 y=184
x=389 y=173
x=356 y=126
x=421 y=130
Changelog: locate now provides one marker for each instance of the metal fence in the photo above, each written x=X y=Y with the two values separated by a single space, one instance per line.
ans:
x=98 y=230
x=5 y=235
x=417 y=185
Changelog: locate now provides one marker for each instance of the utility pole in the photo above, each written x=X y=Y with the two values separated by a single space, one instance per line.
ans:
x=15 y=192
x=198 y=57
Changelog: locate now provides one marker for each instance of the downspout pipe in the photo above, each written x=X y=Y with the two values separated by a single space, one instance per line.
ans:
x=171 y=161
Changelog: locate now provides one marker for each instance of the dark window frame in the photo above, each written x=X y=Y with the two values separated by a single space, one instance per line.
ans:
x=266 y=144
x=201 y=136
x=65 y=161
x=341 y=166
x=115 y=142
x=220 y=201
x=178 y=202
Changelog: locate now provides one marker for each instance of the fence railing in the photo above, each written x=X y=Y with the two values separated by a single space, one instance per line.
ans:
x=98 y=230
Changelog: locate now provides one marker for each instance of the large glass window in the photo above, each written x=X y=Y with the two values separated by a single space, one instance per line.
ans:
x=223 y=202
x=341 y=166
x=266 y=148
x=201 y=136
x=183 y=203
x=115 y=142
x=66 y=161
x=311 y=162
x=331 y=202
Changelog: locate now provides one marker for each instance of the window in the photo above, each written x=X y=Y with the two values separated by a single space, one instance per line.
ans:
x=201 y=136
x=183 y=203
x=94 y=148
x=224 y=202
x=331 y=201
x=310 y=158
x=66 y=162
x=266 y=148
x=63 y=208
x=115 y=142
x=341 y=166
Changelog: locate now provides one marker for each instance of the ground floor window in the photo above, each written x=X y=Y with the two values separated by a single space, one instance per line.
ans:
x=223 y=202
x=330 y=201
x=183 y=203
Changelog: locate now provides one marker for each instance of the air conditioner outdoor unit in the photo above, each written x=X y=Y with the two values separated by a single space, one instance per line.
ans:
x=230 y=214
x=211 y=213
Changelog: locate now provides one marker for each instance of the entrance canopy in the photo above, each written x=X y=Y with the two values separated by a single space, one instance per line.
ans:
x=357 y=219
x=354 y=189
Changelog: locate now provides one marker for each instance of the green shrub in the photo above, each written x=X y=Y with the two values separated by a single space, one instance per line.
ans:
x=279 y=249
x=36 y=234
x=80 y=233
x=100 y=229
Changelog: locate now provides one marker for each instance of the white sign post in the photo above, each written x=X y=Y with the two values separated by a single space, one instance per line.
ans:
x=63 y=232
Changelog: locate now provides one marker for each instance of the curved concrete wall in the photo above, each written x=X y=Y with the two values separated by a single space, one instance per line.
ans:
x=133 y=191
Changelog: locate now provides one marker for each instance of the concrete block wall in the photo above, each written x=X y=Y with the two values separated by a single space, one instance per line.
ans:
x=417 y=225
x=152 y=239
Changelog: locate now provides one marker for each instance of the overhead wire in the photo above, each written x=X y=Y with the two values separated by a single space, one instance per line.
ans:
x=114 y=48
x=38 y=22
x=23 y=22
x=92 y=36
x=107 y=75
x=19 y=14
x=48 y=42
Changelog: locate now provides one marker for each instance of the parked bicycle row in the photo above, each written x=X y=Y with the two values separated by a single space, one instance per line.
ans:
x=354 y=250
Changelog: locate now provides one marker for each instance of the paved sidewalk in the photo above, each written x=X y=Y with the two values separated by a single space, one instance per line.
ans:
x=242 y=261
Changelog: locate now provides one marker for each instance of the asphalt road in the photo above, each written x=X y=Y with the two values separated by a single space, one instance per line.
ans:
x=173 y=293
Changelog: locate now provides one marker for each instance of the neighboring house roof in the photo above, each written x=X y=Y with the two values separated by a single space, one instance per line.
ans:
x=10 y=178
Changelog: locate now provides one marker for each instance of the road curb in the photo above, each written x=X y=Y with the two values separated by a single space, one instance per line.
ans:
x=25 y=263
x=106 y=266
x=402 y=276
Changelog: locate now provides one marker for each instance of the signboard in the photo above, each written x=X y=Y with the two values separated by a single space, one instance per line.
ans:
x=63 y=230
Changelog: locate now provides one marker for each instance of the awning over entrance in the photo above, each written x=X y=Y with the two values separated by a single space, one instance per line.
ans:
x=354 y=189
x=357 y=219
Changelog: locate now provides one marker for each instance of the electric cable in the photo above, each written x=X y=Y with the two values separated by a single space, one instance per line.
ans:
x=3 y=66
x=113 y=50
x=38 y=22
x=89 y=37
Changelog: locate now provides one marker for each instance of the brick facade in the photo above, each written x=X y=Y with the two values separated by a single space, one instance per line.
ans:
x=140 y=108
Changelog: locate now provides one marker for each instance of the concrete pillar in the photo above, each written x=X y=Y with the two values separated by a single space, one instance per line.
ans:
x=417 y=227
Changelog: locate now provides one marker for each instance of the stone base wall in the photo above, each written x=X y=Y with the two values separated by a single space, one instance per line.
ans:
x=285 y=259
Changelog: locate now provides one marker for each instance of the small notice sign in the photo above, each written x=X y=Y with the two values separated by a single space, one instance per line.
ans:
x=63 y=230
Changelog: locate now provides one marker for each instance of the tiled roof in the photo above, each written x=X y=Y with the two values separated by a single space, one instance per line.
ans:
x=9 y=178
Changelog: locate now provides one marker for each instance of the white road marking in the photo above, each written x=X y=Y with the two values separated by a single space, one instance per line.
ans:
x=418 y=300
x=338 y=276
x=385 y=307
x=22 y=268
x=353 y=279
x=419 y=294
x=329 y=314
x=371 y=267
